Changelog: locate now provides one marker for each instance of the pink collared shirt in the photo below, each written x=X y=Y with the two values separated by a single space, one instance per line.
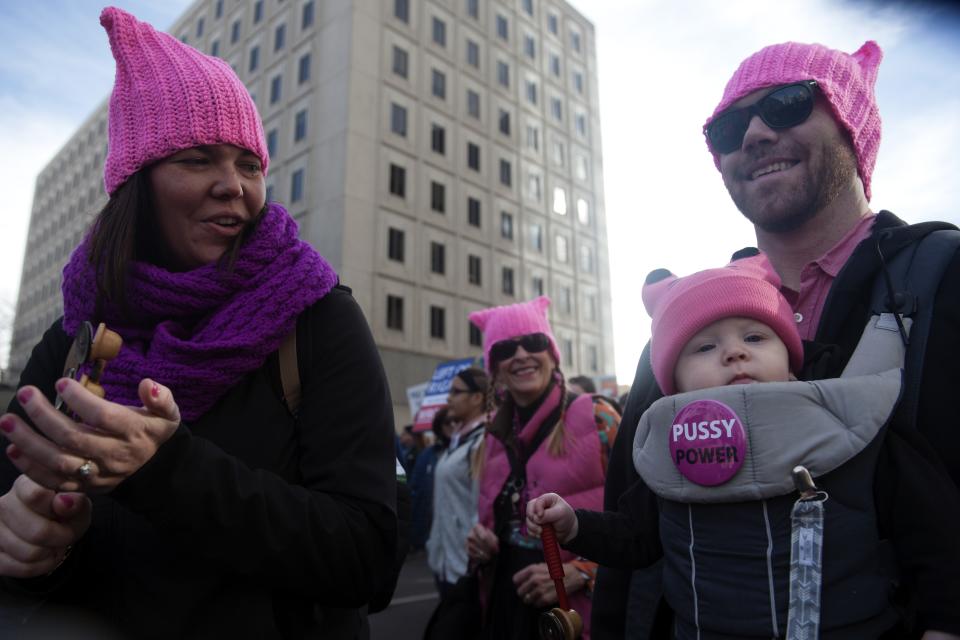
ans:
x=817 y=276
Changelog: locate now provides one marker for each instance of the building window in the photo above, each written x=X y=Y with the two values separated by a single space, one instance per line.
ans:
x=556 y=109
x=507 y=281
x=296 y=186
x=473 y=156
x=395 y=240
x=536 y=237
x=199 y=27
x=438 y=197
x=566 y=299
x=580 y=122
x=437 y=142
x=533 y=187
x=559 y=201
x=552 y=23
x=438 y=258
x=398 y=180
x=473 y=54
x=558 y=153
x=533 y=137
x=235 y=32
x=531 y=91
x=473 y=212
x=257 y=11
x=437 y=322
x=438 y=84
x=528 y=7
x=473 y=8
x=215 y=48
x=473 y=104
x=537 y=286
x=439 y=32
x=580 y=167
x=398 y=120
x=218 y=11
x=503 y=122
x=578 y=82
x=300 y=125
x=583 y=211
x=567 y=346
x=279 y=37
x=303 y=69
x=272 y=142
x=593 y=358
x=529 y=47
x=555 y=64
x=476 y=336
x=473 y=270
x=586 y=259
x=254 y=59
x=395 y=312
x=399 y=61
x=562 y=249
x=503 y=74
x=506 y=173
x=401 y=10
x=276 y=89
x=306 y=17
x=506 y=225
x=575 y=41
x=503 y=28
x=591 y=307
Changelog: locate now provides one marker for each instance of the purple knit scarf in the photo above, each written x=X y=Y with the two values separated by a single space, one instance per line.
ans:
x=200 y=332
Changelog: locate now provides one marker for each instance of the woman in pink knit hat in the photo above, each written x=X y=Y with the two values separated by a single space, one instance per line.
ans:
x=764 y=511
x=201 y=497
x=542 y=438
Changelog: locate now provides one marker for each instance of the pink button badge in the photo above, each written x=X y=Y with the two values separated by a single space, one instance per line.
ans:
x=707 y=442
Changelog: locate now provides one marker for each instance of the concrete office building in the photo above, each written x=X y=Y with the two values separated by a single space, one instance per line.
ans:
x=443 y=155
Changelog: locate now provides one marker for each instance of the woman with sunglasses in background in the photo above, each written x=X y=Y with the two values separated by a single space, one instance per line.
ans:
x=542 y=439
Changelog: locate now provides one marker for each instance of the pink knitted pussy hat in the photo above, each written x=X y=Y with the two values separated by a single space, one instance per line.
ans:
x=511 y=321
x=748 y=287
x=168 y=96
x=846 y=80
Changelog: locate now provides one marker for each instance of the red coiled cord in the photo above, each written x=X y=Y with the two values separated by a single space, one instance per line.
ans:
x=551 y=553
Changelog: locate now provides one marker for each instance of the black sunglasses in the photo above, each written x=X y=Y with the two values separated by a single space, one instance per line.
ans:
x=780 y=109
x=531 y=343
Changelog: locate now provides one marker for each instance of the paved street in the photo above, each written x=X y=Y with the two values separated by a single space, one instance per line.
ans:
x=413 y=602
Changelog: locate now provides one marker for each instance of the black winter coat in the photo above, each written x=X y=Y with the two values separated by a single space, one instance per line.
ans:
x=249 y=523
x=903 y=483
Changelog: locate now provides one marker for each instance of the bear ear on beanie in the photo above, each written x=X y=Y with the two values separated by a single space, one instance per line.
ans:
x=656 y=284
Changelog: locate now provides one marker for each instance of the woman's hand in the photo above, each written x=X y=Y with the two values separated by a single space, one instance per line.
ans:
x=939 y=635
x=107 y=444
x=536 y=588
x=552 y=509
x=482 y=544
x=37 y=527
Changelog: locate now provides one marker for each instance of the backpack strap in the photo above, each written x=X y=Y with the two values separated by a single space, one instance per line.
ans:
x=907 y=287
x=290 y=371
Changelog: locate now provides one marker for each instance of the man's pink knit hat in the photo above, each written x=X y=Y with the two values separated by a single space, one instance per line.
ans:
x=168 y=96
x=680 y=307
x=511 y=321
x=847 y=81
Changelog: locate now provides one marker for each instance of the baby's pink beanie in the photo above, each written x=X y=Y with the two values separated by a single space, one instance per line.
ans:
x=168 y=96
x=680 y=307
x=847 y=81
x=512 y=321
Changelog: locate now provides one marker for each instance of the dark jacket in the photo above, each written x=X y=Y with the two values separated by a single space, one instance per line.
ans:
x=909 y=464
x=249 y=522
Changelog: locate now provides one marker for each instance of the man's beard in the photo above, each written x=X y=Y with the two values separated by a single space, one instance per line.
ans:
x=802 y=203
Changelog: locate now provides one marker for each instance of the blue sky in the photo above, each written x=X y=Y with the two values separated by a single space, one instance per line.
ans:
x=662 y=65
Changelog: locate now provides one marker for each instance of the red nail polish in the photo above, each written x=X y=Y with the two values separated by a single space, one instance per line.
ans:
x=61 y=385
x=155 y=390
x=7 y=425
x=66 y=500
x=24 y=395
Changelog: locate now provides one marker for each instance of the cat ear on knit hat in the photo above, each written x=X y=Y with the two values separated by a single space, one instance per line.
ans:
x=869 y=56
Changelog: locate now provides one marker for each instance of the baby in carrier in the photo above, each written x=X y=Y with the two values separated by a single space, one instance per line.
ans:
x=780 y=509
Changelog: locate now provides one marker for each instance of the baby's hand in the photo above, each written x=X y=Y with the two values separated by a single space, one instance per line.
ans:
x=552 y=509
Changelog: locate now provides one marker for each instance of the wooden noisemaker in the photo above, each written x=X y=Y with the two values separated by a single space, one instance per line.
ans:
x=560 y=623
x=97 y=348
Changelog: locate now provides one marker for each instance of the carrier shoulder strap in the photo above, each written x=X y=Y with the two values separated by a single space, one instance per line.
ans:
x=290 y=371
x=915 y=273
